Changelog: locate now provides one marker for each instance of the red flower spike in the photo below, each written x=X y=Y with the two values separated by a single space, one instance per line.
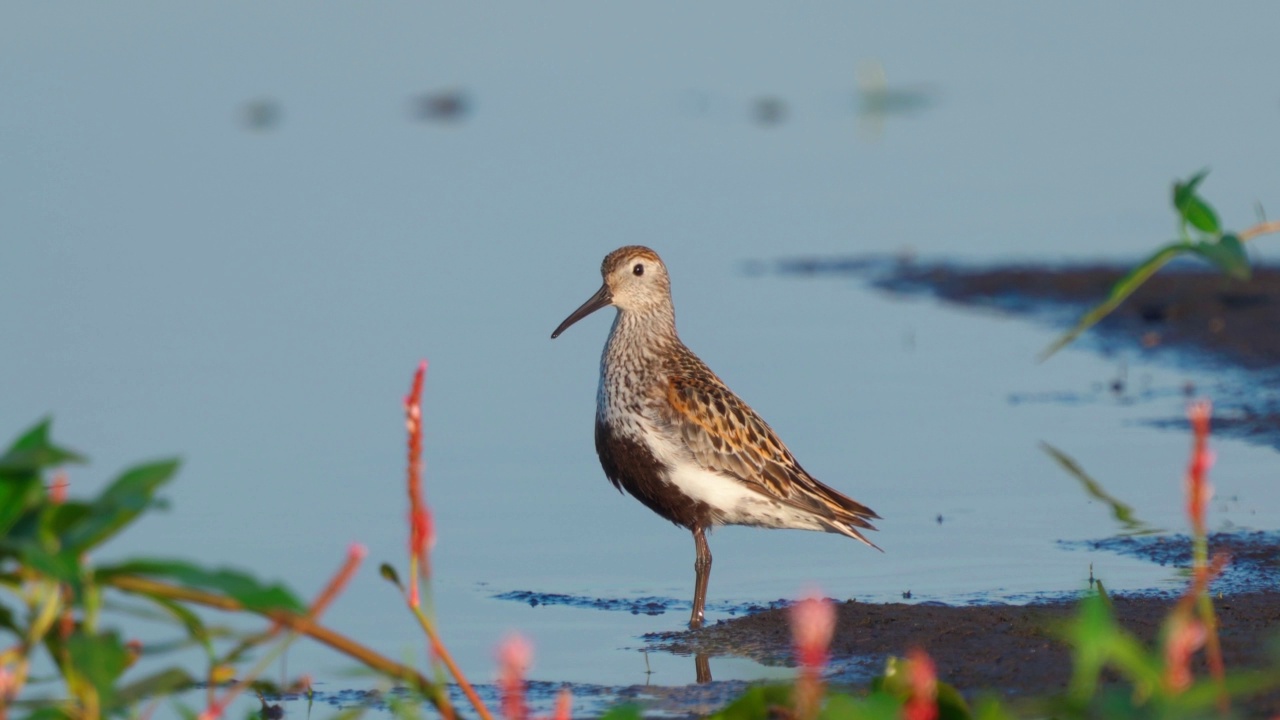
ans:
x=421 y=534
x=1199 y=491
x=514 y=656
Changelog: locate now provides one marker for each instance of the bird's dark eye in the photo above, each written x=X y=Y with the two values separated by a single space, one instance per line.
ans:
x=638 y=269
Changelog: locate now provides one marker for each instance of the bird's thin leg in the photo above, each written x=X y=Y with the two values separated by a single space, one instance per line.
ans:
x=702 y=668
x=701 y=575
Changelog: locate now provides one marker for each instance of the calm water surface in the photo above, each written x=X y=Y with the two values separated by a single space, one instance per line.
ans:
x=229 y=234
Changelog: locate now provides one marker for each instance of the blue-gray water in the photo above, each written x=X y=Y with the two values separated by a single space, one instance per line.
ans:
x=174 y=279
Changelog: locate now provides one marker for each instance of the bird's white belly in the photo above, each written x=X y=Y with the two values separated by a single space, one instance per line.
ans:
x=731 y=501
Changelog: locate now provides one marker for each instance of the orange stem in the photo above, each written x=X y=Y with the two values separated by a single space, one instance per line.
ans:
x=441 y=652
x=1265 y=228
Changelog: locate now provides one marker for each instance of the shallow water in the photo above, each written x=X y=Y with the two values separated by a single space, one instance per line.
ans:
x=254 y=294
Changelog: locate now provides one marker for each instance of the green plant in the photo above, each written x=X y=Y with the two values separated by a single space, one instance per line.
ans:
x=53 y=597
x=1199 y=233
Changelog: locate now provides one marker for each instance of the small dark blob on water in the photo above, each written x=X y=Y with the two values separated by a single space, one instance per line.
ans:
x=449 y=106
x=269 y=711
x=261 y=115
x=1152 y=313
x=939 y=518
x=769 y=110
x=906 y=595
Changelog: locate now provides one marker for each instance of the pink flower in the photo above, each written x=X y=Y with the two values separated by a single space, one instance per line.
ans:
x=1187 y=634
x=564 y=705
x=58 y=489
x=922 y=676
x=813 y=622
x=8 y=686
x=514 y=656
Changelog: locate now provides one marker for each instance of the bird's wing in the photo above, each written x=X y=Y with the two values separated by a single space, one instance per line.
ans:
x=724 y=434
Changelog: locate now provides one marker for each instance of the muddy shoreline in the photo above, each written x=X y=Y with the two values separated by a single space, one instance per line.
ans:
x=1015 y=650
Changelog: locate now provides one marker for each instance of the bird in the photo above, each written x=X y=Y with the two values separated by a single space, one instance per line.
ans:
x=670 y=433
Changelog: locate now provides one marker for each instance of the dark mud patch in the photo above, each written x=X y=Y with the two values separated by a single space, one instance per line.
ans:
x=1185 y=315
x=1254 y=566
x=1013 y=650
x=648 y=605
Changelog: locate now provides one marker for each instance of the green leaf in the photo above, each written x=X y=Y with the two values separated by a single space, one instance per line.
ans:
x=21 y=488
x=100 y=659
x=389 y=574
x=60 y=566
x=1123 y=288
x=34 y=451
x=1192 y=208
x=1089 y=633
x=1227 y=252
x=154 y=685
x=17 y=497
x=191 y=622
x=876 y=706
x=1121 y=511
x=989 y=708
x=119 y=504
x=6 y=620
x=757 y=702
x=246 y=589
x=629 y=711
x=1099 y=642
x=49 y=712
x=951 y=704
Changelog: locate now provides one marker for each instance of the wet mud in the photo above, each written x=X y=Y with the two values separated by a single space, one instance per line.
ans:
x=1016 y=651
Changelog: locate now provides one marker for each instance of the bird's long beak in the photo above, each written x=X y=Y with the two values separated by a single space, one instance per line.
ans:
x=594 y=303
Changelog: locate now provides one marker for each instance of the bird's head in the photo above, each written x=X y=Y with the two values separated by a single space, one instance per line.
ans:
x=635 y=280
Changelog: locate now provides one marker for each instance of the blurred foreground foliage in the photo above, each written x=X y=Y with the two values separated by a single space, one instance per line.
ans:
x=62 y=659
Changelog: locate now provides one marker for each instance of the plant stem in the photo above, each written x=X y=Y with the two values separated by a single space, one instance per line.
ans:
x=441 y=652
x=1265 y=228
